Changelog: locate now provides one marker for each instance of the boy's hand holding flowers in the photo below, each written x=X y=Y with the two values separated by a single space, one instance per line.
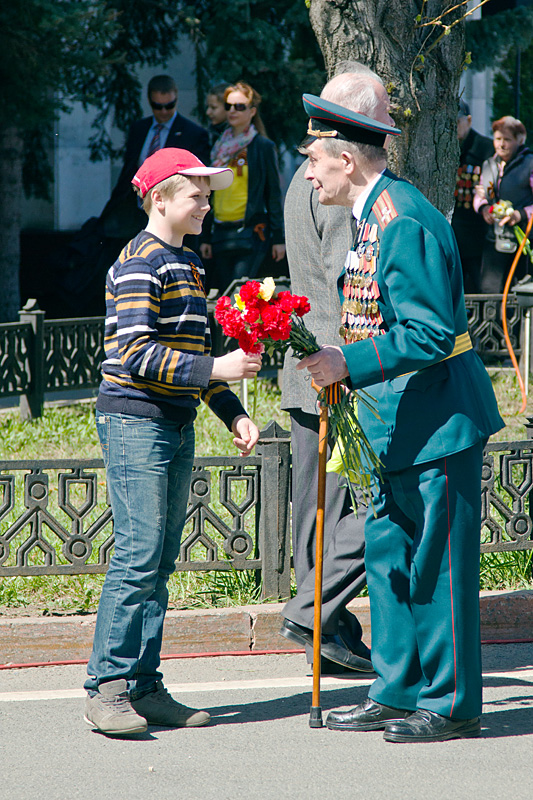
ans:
x=236 y=365
x=261 y=319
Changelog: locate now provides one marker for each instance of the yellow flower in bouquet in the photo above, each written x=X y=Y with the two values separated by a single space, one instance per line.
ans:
x=267 y=289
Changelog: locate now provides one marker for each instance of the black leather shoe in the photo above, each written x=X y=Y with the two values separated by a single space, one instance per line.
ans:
x=332 y=647
x=369 y=716
x=426 y=726
x=328 y=667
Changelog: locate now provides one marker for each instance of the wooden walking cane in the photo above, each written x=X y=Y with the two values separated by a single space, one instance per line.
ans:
x=315 y=715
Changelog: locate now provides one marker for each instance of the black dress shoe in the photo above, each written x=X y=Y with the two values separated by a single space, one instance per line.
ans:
x=328 y=667
x=332 y=646
x=426 y=726
x=369 y=716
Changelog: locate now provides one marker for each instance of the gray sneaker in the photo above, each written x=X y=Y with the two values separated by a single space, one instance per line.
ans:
x=160 y=708
x=110 y=710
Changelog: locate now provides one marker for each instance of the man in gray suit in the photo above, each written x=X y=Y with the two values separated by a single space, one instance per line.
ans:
x=318 y=238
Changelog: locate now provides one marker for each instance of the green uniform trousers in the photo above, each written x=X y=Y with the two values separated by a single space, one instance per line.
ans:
x=422 y=561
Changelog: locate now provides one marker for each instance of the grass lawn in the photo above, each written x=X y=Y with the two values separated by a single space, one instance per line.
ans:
x=69 y=432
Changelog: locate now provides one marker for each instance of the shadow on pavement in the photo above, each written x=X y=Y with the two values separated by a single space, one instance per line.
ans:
x=284 y=707
x=512 y=722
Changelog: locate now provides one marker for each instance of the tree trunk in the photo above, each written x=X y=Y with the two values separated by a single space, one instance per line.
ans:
x=10 y=214
x=384 y=36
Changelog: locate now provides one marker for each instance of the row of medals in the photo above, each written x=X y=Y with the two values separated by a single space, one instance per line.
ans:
x=467 y=178
x=361 y=317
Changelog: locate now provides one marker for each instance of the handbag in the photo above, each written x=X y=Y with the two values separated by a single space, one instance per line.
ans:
x=504 y=239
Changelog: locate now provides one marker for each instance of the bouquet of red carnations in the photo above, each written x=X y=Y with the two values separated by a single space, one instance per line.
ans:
x=261 y=319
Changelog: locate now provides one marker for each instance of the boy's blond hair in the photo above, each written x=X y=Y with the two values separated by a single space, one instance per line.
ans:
x=168 y=188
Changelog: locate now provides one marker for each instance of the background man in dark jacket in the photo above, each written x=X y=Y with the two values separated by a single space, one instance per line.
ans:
x=467 y=225
x=122 y=216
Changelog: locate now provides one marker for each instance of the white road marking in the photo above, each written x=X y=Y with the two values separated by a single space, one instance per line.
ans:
x=305 y=683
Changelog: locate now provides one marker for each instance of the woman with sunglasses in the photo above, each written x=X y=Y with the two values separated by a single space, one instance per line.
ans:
x=248 y=216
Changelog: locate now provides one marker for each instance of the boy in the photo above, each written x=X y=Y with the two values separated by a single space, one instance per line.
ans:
x=157 y=368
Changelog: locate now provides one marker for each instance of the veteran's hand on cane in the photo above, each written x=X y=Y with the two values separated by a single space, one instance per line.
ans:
x=327 y=366
x=246 y=434
x=236 y=365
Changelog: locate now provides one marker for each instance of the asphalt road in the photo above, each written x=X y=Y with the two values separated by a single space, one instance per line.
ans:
x=260 y=744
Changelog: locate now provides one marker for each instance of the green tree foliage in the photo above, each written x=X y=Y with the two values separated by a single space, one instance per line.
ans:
x=54 y=52
x=493 y=42
x=269 y=44
x=490 y=38
x=46 y=47
x=503 y=97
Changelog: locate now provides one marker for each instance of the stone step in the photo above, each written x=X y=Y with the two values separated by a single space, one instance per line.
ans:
x=505 y=616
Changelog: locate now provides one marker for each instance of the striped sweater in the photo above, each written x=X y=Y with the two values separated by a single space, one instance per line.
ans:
x=157 y=337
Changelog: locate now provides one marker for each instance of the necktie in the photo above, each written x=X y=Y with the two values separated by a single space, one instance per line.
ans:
x=154 y=144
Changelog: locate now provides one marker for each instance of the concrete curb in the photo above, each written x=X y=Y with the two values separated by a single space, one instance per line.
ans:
x=505 y=616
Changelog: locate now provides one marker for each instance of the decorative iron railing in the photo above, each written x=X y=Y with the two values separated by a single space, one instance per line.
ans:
x=39 y=355
x=506 y=494
x=55 y=518
x=484 y=313
x=73 y=353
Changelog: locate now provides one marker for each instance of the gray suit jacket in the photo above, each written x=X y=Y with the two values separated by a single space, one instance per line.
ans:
x=318 y=238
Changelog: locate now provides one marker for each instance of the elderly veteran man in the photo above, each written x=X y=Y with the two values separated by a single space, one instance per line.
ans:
x=406 y=342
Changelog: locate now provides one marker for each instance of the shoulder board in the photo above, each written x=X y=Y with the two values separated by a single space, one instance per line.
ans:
x=384 y=209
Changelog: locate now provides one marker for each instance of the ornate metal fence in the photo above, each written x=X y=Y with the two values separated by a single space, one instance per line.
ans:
x=484 y=313
x=55 y=519
x=39 y=355
x=506 y=493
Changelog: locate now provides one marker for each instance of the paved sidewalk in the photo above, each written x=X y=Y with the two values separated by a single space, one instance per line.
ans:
x=260 y=744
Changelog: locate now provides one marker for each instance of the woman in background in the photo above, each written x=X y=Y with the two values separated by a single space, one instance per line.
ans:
x=247 y=218
x=507 y=175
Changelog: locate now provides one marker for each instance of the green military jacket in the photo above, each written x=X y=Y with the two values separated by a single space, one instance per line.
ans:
x=403 y=317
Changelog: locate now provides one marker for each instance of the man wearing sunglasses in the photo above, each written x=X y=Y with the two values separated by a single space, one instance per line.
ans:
x=122 y=217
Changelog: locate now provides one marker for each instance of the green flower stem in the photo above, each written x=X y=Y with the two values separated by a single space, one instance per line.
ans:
x=519 y=233
x=254 y=410
x=359 y=459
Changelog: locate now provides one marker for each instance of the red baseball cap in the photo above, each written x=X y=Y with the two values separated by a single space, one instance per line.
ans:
x=173 y=161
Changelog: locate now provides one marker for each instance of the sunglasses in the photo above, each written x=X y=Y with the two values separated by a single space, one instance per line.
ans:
x=161 y=106
x=236 y=106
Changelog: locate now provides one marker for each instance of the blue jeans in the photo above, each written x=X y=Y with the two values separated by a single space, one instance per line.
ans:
x=148 y=467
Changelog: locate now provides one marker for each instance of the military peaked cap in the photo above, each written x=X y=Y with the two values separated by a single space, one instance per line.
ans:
x=328 y=120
